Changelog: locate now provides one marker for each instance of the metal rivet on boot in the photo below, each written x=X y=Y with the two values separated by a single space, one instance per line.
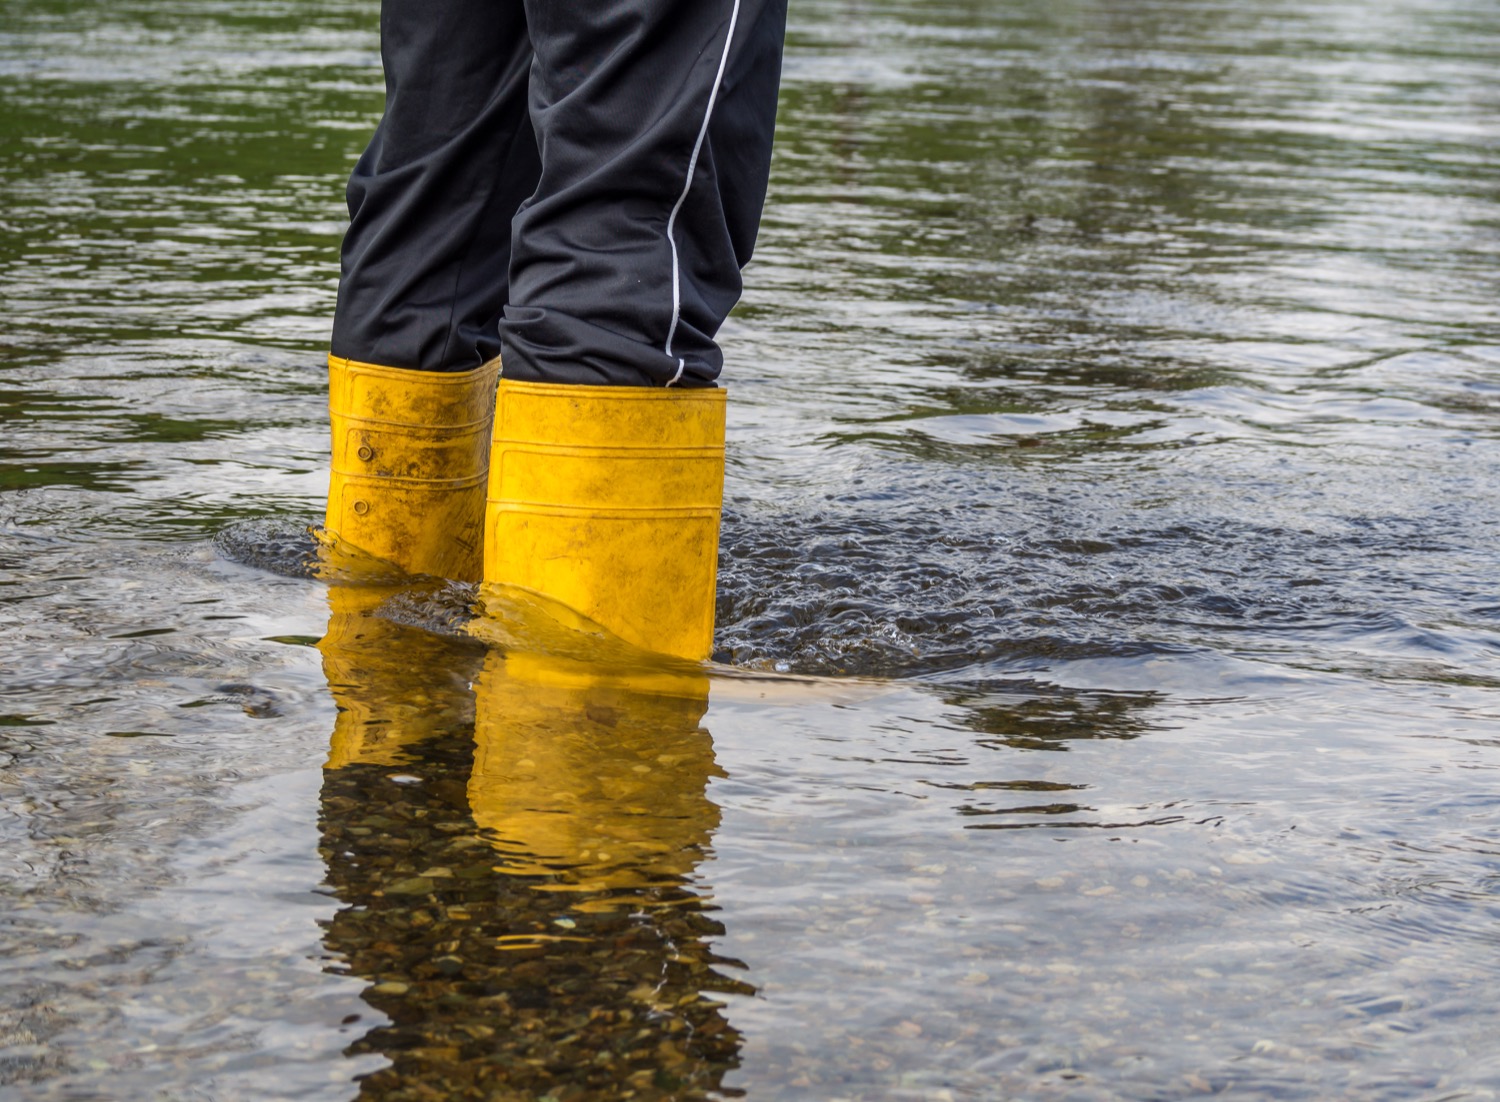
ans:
x=366 y=452
x=361 y=507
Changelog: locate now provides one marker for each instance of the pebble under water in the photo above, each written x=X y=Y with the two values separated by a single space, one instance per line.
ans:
x=1106 y=696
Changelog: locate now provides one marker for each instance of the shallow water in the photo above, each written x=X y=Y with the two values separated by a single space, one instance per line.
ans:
x=1109 y=566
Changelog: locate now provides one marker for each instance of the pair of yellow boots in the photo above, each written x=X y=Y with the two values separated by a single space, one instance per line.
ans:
x=603 y=499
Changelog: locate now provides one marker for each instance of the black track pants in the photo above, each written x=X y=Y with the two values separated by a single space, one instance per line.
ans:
x=574 y=183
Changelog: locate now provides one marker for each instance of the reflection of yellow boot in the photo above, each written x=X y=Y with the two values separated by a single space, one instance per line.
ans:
x=410 y=459
x=607 y=500
x=394 y=685
x=595 y=778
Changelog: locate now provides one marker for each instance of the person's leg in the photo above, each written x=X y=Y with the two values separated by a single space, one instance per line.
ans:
x=655 y=120
x=415 y=335
x=427 y=254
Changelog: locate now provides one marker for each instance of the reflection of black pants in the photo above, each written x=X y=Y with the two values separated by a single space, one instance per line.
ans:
x=578 y=181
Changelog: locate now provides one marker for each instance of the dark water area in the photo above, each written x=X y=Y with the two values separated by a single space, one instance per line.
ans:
x=1106 y=702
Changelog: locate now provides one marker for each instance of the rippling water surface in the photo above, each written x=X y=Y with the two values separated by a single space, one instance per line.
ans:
x=1107 y=699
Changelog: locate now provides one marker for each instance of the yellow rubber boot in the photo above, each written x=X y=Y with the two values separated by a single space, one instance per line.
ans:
x=410 y=462
x=607 y=500
x=595 y=778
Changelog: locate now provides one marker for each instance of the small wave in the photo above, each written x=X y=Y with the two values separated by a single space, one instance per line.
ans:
x=278 y=545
